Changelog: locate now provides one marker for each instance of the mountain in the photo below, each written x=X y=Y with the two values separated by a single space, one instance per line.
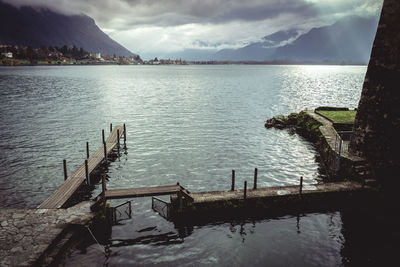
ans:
x=259 y=51
x=349 y=39
x=36 y=27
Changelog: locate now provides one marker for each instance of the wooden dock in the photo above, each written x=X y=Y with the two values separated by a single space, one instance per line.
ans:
x=75 y=180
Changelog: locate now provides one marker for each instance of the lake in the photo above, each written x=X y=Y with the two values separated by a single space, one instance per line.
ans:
x=187 y=124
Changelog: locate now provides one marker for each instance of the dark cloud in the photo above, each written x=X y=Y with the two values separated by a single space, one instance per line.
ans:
x=172 y=25
x=267 y=10
x=175 y=12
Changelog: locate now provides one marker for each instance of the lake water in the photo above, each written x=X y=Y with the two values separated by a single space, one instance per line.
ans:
x=186 y=124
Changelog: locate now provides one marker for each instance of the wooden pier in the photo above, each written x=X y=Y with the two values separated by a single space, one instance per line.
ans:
x=184 y=202
x=82 y=174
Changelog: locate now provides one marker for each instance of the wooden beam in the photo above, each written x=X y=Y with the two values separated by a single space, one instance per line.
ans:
x=142 y=192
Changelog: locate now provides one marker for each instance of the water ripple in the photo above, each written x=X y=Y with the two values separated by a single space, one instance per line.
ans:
x=191 y=124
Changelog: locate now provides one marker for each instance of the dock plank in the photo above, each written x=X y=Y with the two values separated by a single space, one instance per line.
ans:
x=75 y=180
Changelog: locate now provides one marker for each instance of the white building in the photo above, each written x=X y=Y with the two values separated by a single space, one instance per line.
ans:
x=7 y=54
x=95 y=55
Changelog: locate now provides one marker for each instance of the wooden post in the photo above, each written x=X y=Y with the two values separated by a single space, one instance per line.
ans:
x=65 y=169
x=233 y=180
x=103 y=185
x=301 y=185
x=102 y=133
x=87 y=172
x=103 y=193
x=105 y=152
x=124 y=135
x=255 y=178
x=118 y=142
x=245 y=190
x=87 y=150
x=110 y=127
x=180 y=201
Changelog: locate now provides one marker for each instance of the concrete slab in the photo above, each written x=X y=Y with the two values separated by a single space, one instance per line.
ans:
x=25 y=234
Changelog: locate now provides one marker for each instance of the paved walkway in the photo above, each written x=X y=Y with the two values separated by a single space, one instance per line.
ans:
x=330 y=135
x=25 y=234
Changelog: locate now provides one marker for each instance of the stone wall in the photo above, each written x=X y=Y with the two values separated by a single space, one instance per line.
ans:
x=377 y=124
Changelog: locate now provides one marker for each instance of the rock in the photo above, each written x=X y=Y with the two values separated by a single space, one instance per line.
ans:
x=18 y=216
x=280 y=119
x=17 y=249
x=292 y=119
x=270 y=123
x=281 y=122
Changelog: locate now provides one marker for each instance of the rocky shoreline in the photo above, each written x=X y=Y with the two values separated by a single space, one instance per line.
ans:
x=301 y=123
x=339 y=165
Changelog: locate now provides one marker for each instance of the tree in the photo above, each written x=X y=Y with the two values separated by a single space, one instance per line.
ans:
x=64 y=50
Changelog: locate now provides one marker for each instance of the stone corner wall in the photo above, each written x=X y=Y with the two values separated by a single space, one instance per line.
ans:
x=377 y=124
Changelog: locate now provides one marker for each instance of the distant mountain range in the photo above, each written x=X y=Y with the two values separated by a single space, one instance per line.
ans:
x=348 y=40
x=36 y=27
x=259 y=51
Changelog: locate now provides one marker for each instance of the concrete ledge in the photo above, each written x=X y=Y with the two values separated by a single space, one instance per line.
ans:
x=27 y=235
x=281 y=199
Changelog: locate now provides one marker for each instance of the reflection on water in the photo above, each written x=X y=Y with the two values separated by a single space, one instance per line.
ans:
x=187 y=124
x=302 y=240
x=353 y=236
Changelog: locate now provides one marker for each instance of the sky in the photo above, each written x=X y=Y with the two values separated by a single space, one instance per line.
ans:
x=162 y=27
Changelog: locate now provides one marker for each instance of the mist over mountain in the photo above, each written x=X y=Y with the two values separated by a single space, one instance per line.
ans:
x=348 y=40
x=36 y=27
x=259 y=51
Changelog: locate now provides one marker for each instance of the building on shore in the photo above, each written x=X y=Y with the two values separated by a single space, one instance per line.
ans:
x=7 y=54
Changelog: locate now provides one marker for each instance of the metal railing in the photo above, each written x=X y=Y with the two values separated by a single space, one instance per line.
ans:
x=342 y=141
x=161 y=207
x=121 y=212
x=343 y=138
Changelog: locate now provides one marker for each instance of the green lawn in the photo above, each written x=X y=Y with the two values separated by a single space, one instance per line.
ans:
x=339 y=116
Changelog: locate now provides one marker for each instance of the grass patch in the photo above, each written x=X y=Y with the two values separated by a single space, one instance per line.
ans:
x=339 y=116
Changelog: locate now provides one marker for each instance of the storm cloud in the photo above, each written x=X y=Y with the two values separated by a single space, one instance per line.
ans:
x=129 y=13
x=172 y=25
